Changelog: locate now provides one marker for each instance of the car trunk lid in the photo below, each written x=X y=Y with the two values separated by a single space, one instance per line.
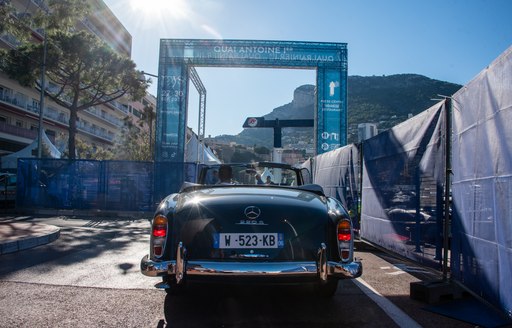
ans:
x=261 y=224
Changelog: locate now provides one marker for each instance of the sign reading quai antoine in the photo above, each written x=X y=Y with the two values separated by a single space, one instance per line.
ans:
x=178 y=55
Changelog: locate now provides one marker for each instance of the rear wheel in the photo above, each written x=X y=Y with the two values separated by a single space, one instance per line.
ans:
x=327 y=289
x=174 y=288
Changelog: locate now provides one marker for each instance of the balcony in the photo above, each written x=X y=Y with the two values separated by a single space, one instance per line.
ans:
x=51 y=115
x=106 y=117
x=21 y=132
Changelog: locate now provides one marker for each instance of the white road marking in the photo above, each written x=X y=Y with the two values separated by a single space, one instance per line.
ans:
x=395 y=273
x=397 y=315
x=403 y=268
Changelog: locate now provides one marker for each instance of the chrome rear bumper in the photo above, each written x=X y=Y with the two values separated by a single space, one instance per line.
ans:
x=320 y=269
x=248 y=269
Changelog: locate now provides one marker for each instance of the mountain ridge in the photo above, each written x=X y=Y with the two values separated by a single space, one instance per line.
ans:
x=383 y=100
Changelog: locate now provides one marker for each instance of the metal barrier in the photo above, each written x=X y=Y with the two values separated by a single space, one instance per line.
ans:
x=98 y=185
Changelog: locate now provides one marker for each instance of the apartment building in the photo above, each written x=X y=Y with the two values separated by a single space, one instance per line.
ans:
x=99 y=126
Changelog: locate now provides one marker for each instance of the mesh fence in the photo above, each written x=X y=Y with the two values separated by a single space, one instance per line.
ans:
x=99 y=185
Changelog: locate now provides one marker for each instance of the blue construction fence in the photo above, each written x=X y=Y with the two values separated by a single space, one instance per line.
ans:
x=393 y=185
x=338 y=172
x=403 y=185
x=482 y=184
x=403 y=174
x=98 y=185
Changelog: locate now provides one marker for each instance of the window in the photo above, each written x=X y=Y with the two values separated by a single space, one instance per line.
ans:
x=19 y=124
x=20 y=99
x=137 y=113
x=5 y=93
x=35 y=106
x=52 y=87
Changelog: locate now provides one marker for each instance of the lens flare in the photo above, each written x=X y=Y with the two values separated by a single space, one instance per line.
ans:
x=157 y=9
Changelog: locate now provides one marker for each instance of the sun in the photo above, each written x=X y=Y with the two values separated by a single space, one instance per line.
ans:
x=156 y=9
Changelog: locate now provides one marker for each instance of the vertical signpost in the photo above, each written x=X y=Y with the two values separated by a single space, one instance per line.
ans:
x=176 y=55
x=331 y=114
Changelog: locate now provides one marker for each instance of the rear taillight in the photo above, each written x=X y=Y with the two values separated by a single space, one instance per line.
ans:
x=159 y=231
x=344 y=230
x=160 y=226
x=344 y=236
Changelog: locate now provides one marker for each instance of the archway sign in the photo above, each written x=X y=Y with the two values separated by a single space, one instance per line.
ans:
x=178 y=55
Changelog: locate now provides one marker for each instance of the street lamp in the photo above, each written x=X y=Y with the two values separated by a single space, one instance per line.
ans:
x=148 y=113
x=41 y=99
x=142 y=73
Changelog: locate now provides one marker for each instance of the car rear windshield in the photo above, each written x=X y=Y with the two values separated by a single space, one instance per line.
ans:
x=252 y=176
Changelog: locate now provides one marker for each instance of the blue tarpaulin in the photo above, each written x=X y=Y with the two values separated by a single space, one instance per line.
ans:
x=338 y=173
x=403 y=172
x=482 y=184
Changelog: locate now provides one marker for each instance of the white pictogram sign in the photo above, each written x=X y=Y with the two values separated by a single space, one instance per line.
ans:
x=252 y=122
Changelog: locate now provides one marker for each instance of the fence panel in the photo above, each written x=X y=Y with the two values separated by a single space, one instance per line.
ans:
x=98 y=185
x=59 y=184
x=402 y=188
x=482 y=184
x=128 y=186
x=338 y=173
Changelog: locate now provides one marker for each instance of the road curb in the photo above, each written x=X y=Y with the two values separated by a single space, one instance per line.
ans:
x=48 y=234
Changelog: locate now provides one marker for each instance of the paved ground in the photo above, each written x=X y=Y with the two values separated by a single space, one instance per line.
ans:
x=23 y=232
x=18 y=234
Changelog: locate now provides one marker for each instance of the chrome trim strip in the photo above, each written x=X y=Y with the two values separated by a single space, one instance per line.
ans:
x=180 y=262
x=152 y=268
x=349 y=270
x=322 y=262
x=251 y=269
x=269 y=269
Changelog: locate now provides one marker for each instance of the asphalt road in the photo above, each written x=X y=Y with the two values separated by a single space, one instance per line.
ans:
x=90 y=277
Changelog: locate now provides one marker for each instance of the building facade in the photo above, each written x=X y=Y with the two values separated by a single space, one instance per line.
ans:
x=98 y=126
x=366 y=131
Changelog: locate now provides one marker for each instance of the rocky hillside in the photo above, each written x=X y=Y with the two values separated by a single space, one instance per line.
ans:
x=384 y=100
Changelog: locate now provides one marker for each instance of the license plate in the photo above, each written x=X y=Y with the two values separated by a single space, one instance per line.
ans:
x=248 y=240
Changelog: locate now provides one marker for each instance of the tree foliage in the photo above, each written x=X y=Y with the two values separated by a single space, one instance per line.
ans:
x=83 y=73
x=85 y=150
x=134 y=145
x=137 y=141
x=82 y=70
x=261 y=150
x=243 y=156
x=54 y=15
x=13 y=23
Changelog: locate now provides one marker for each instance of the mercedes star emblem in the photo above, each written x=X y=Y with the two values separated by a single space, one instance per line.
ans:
x=252 y=212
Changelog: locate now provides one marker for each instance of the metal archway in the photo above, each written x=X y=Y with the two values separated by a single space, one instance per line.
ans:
x=177 y=56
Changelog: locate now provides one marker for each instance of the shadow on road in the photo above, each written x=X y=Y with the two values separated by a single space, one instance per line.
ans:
x=265 y=306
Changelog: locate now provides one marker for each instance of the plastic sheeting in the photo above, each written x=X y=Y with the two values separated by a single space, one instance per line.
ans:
x=403 y=171
x=197 y=152
x=482 y=184
x=338 y=173
x=10 y=161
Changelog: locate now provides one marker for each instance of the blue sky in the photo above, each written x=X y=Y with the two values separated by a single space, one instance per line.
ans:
x=448 y=40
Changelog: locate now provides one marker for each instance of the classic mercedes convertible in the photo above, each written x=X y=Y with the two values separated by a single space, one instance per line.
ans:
x=251 y=223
